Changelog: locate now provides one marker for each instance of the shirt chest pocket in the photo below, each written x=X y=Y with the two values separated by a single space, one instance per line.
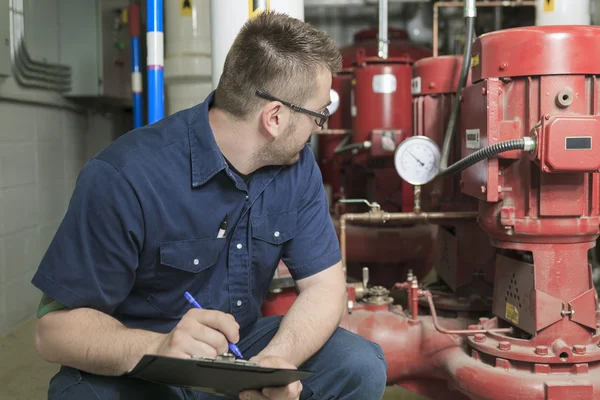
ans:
x=269 y=234
x=187 y=265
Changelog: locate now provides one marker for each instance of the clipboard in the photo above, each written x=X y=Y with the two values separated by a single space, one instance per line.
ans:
x=214 y=376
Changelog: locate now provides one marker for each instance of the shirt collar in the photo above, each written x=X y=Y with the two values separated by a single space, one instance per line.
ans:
x=206 y=158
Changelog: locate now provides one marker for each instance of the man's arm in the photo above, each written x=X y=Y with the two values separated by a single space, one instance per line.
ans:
x=97 y=343
x=312 y=319
x=87 y=272
x=92 y=341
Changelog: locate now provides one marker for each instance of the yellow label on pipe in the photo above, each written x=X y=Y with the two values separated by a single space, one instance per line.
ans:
x=186 y=8
x=255 y=7
x=548 y=5
x=475 y=61
x=512 y=314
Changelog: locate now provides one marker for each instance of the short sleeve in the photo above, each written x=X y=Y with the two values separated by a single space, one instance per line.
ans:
x=315 y=247
x=92 y=259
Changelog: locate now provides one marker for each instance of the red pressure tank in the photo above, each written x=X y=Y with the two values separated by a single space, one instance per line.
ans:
x=399 y=46
x=464 y=257
x=340 y=120
x=540 y=205
x=381 y=102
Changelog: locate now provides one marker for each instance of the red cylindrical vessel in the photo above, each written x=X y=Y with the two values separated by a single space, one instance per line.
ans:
x=341 y=119
x=399 y=46
x=342 y=84
x=381 y=102
x=542 y=206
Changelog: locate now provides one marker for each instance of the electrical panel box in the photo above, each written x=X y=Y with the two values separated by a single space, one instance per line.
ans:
x=95 y=43
x=4 y=39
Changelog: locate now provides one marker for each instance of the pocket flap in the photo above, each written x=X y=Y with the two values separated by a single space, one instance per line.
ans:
x=191 y=255
x=275 y=228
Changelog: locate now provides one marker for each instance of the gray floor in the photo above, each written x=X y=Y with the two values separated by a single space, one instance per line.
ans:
x=24 y=375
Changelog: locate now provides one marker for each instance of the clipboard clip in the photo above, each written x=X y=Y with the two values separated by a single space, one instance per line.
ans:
x=226 y=358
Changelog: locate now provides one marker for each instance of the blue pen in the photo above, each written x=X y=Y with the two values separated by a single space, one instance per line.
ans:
x=234 y=349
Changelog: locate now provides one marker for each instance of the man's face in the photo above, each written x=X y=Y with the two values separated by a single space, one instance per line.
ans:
x=286 y=149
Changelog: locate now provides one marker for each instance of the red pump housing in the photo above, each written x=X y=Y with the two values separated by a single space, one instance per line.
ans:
x=541 y=208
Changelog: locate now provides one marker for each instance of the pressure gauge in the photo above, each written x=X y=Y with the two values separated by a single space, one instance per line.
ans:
x=417 y=160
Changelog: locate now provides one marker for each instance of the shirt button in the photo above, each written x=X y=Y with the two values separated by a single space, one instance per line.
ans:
x=239 y=303
x=239 y=246
x=196 y=261
x=276 y=234
x=246 y=197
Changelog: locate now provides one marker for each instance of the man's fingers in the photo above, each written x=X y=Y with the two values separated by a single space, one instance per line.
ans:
x=210 y=336
x=200 y=349
x=220 y=321
x=289 y=392
x=252 y=395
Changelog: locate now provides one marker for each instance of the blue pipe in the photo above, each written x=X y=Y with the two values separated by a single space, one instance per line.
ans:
x=136 y=69
x=155 y=43
x=136 y=78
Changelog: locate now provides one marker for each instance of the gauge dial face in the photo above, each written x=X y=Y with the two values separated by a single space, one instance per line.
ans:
x=417 y=160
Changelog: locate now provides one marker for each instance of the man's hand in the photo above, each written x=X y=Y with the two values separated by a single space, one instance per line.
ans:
x=289 y=392
x=200 y=333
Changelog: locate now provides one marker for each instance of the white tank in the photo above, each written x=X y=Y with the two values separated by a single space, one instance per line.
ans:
x=562 y=12
x=187 y=54
x=228 y=16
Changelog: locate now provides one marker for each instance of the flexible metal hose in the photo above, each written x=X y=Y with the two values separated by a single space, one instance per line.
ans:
x=487 y=152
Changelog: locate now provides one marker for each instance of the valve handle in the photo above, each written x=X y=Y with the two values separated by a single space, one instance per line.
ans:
x=365 y=277
x=372 y=205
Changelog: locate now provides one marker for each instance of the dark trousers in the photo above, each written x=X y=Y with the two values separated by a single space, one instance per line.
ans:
x=347 y=367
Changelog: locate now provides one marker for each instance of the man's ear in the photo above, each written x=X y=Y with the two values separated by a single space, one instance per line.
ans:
x=273 y=118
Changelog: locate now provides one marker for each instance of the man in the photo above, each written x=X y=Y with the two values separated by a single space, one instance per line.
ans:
x=143 y=227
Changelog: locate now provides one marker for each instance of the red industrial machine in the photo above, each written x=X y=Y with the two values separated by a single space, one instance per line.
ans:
x=526 y=159
x=528 y=128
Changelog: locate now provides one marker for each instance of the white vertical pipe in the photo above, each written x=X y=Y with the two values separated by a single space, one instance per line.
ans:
x=383 y=29
x=187 y=54
x=563 y=12
x=228 y=16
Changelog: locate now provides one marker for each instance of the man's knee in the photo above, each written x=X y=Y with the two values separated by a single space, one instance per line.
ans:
x=366 y=367
x=70 y=383
x=358 y=367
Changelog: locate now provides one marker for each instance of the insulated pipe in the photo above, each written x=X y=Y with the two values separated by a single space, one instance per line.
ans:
x=383 y=29
x=227 y=18
x=136 y=72
x=155 y=60
x=563 y=12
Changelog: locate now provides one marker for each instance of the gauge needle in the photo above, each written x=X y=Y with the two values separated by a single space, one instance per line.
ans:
x=419 y=161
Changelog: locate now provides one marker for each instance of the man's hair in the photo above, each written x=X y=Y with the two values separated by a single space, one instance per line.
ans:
x=276 y=53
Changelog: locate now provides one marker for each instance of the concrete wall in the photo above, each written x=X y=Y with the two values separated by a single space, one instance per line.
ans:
x=44 y=142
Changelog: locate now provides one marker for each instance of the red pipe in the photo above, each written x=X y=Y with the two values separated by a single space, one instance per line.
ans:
x=443 y=366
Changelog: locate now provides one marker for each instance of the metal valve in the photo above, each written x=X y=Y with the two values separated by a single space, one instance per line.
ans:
x=374 y=206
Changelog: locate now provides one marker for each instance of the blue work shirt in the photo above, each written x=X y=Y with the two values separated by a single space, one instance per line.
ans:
x=141 y=228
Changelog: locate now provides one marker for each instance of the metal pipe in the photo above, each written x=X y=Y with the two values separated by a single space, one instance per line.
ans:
x=155 y=60
x=417 y=199
x=429 y=297
x=437 y=5
x=383 y=29
x=381 y=217
x=29 y=72
x=333 y=132
x=136 y=72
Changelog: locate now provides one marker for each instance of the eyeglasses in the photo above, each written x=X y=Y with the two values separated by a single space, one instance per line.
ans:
x=321 y=117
